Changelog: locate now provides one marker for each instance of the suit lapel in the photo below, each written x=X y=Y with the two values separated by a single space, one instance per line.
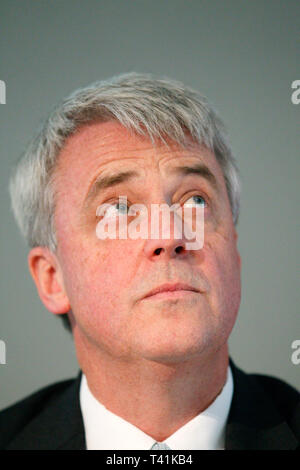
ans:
x=58 y=426
x=253 y=421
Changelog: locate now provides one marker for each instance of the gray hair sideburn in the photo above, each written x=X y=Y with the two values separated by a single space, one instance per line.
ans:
x=149 y=106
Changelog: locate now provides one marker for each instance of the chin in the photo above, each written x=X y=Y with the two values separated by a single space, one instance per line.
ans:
x=174 y=350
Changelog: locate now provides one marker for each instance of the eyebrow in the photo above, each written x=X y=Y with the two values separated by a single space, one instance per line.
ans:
x=108 y=181
x=200 y=170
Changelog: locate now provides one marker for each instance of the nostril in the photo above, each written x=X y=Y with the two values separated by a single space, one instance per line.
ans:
x=178 y=249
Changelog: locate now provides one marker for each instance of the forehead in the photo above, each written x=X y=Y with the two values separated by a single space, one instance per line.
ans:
x=100 y=147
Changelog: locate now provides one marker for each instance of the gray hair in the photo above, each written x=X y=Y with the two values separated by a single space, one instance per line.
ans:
x=152 y=107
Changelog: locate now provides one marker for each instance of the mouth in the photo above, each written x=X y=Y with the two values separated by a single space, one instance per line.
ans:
x=176 y=290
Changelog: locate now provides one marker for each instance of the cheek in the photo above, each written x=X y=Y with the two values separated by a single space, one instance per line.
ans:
x=112 y=265
x=96 y=276
x=223 y=272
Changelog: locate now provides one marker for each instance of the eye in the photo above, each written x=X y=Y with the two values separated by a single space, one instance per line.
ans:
x=116 y=208
x=197 y=200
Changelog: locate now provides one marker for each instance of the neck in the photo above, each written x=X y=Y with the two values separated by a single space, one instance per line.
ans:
x=158 y=398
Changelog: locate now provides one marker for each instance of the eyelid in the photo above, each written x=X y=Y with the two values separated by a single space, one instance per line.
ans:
x=186 y=197
x=114 y=202
x=201 y=194
x=197 y=195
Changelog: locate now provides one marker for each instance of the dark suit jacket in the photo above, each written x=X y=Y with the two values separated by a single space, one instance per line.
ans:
x=264 y=414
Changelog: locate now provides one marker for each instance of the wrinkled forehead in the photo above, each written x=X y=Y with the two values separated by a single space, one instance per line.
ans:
x=100 y=146
x=111 y=136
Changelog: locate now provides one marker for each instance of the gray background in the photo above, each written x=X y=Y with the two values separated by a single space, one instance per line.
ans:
x=243 y=56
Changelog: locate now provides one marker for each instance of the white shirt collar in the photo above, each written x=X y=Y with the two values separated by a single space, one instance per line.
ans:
x=105 y=430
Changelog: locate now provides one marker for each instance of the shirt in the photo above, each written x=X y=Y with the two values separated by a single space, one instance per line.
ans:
x=105 y=430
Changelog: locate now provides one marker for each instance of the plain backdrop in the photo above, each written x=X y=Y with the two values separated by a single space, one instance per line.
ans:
x=242 y=55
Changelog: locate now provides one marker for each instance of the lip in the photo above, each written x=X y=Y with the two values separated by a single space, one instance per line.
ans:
x=171 y=289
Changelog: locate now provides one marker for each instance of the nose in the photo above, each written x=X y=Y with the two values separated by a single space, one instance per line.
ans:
x=170 y=243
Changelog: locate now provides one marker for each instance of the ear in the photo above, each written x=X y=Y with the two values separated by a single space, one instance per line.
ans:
x=46 y=272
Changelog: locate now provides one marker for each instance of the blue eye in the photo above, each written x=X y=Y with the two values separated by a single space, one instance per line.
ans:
x=115 y=209
x=197 y=200
x=123 y=208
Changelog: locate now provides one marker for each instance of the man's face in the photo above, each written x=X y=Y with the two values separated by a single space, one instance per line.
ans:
x=106 y=280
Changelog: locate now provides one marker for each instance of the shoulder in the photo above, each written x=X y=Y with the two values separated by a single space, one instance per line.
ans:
x=285 y=398
x=17 y=416
x=282 y=393
x=266 y=404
